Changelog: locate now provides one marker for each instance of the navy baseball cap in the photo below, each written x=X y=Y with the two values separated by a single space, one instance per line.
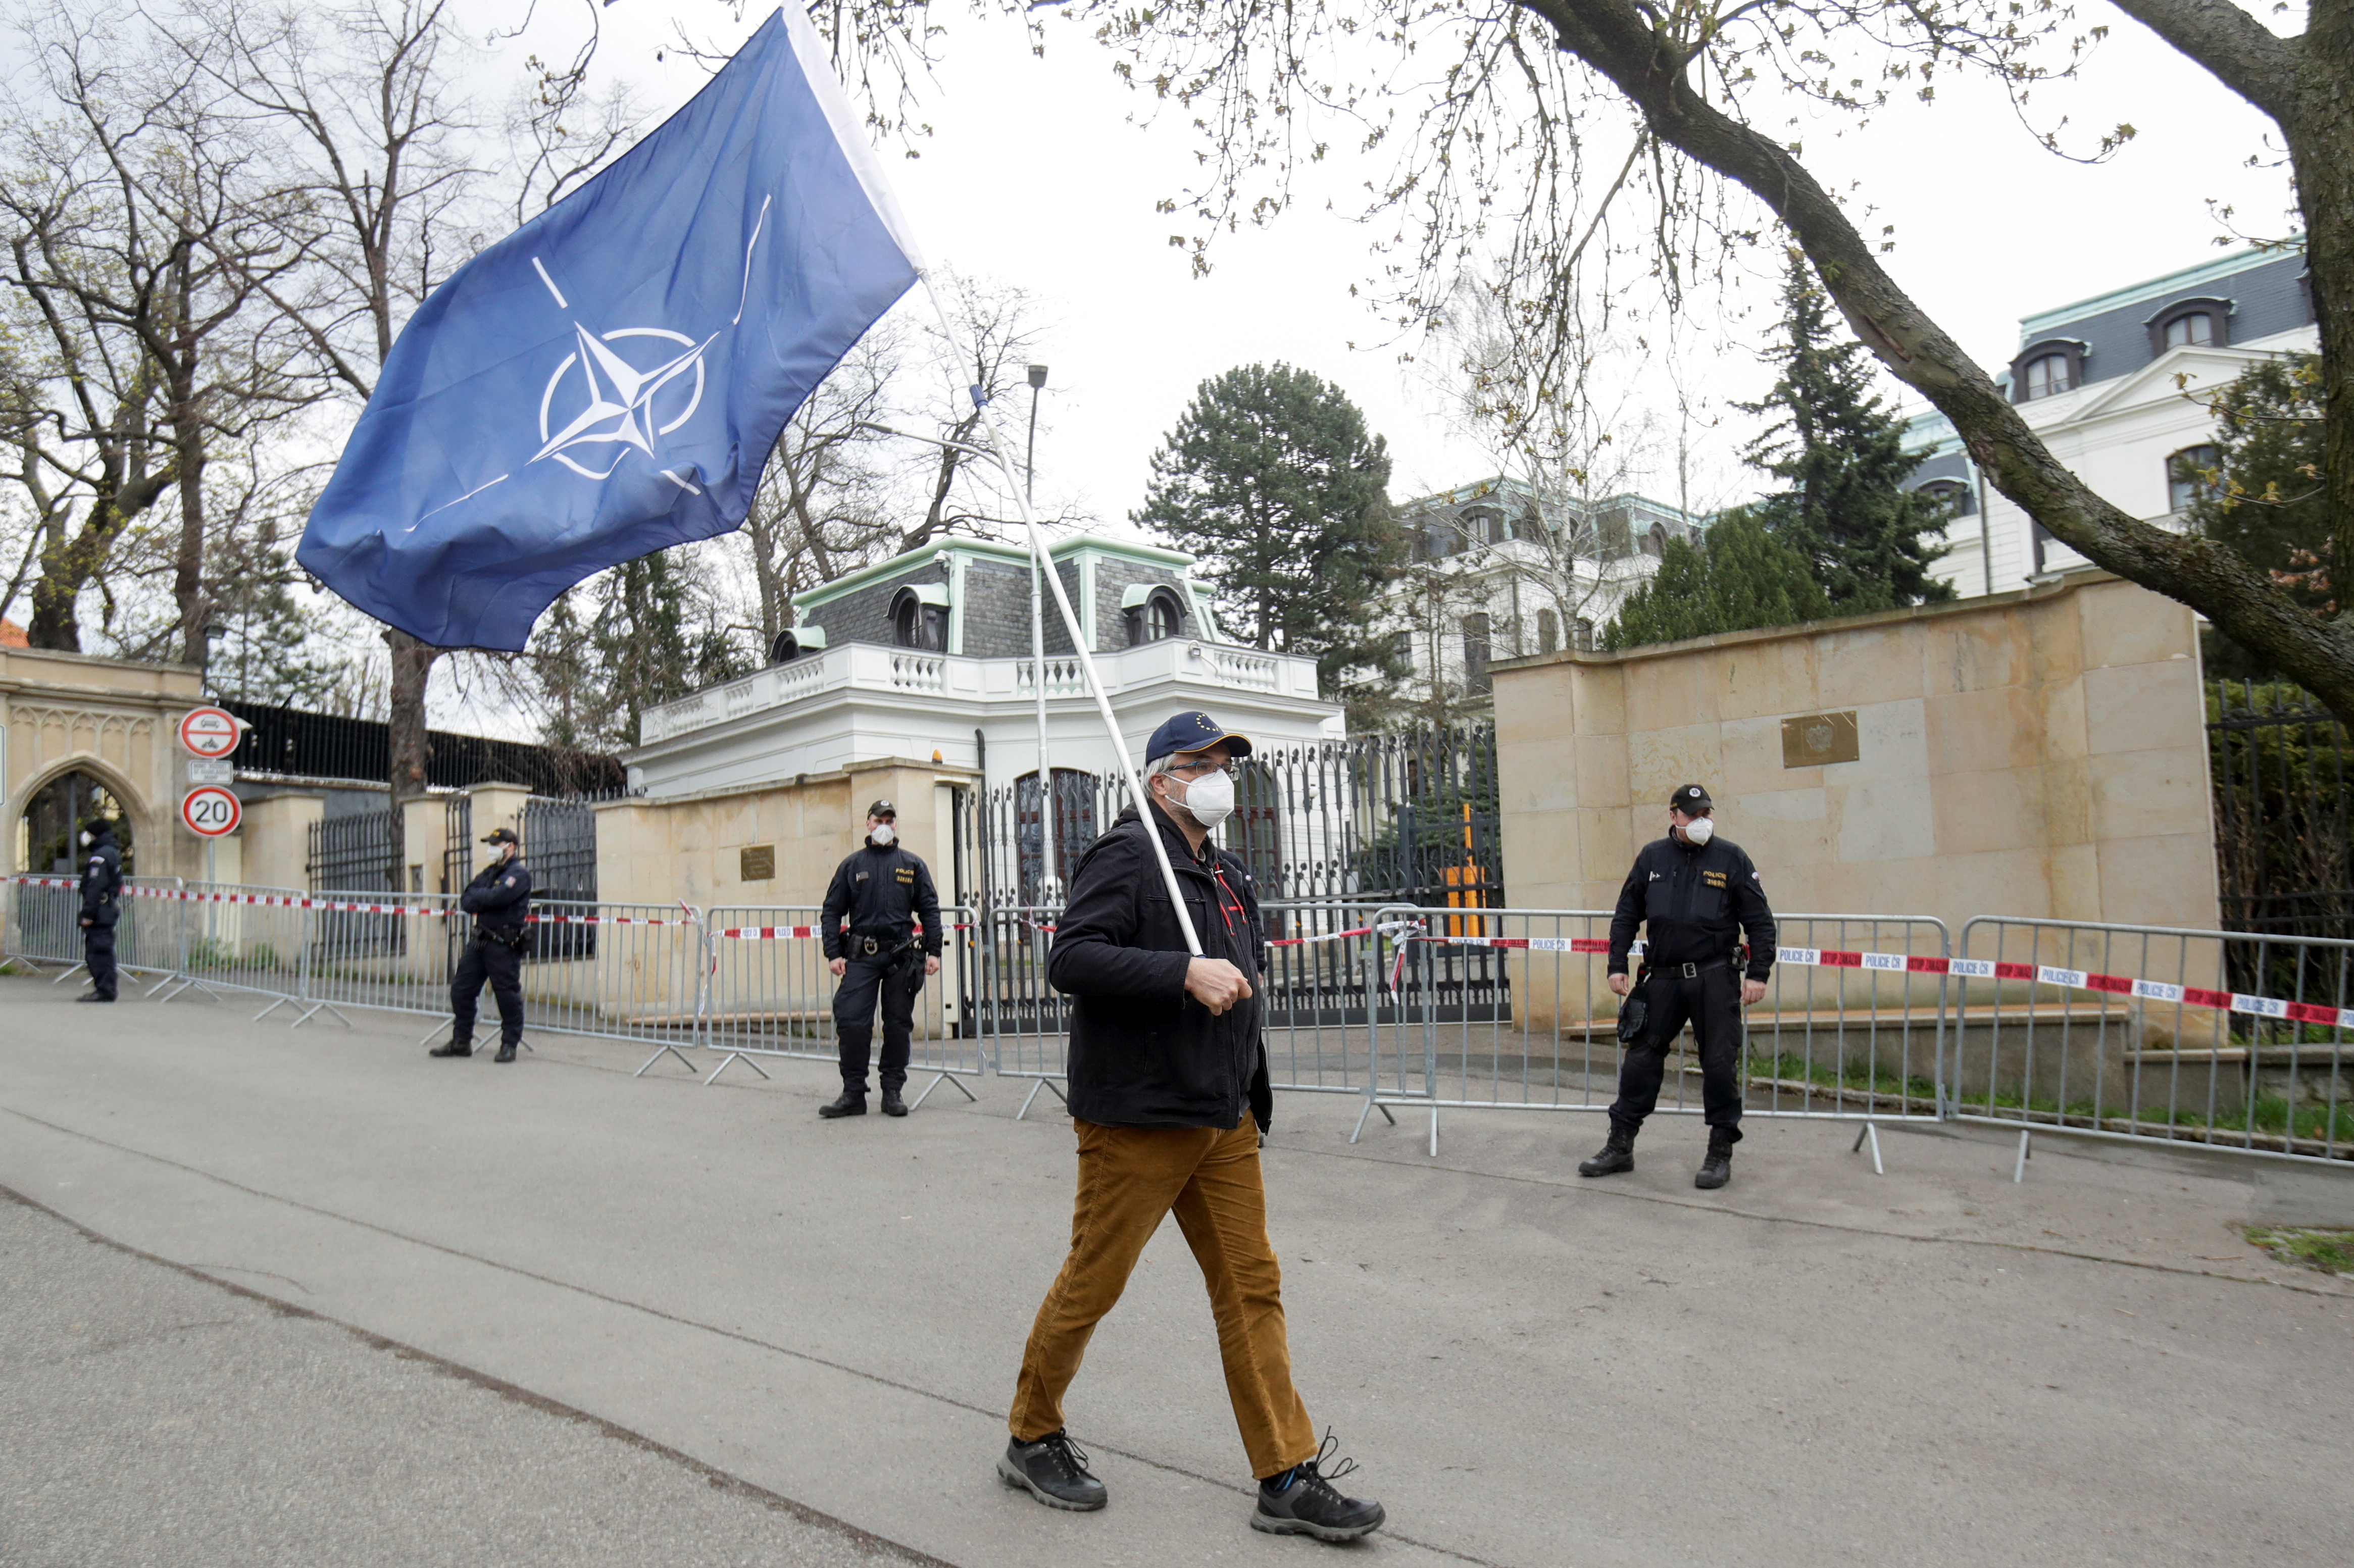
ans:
x=1193 y=731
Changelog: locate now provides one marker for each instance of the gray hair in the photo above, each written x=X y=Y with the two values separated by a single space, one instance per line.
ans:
x=1164 y=763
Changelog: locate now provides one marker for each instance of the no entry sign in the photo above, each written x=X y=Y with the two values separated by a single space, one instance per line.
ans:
x=210 y=810
x=208 y=732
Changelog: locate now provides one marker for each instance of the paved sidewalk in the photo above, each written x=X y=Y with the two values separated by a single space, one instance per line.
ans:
x=1816 y=1365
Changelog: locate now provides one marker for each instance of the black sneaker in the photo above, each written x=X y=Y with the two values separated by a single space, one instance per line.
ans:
x=1303 y=1502
x=1054 y=1469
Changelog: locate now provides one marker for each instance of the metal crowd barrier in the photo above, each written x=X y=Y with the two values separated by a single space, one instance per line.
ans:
x=234 y=937
x=771 y=994
x=1024 y=1021
x=1512 y=1009
x=2228 y=1040
x=43 y=925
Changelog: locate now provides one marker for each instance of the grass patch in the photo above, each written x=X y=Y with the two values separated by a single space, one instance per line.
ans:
x=2327 y=1252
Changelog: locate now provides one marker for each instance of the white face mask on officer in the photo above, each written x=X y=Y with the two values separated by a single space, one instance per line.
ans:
x=882 y=835
x=1699 y=830
x=87 y=838
x=1210 y=798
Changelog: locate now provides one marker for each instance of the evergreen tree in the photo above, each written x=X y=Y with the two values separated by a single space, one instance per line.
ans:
x=2261 y=493
x=1272 y=479
x=1740 y=576
x=1841 y=454
x=626 y=640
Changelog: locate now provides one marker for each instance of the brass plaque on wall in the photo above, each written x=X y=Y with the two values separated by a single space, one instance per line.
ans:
x=1811 y=740
x=759 y=862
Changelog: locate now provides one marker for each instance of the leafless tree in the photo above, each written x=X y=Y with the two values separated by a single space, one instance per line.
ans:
x=140 y=225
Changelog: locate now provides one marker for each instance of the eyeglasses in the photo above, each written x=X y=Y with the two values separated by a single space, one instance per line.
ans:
x=1195 y=769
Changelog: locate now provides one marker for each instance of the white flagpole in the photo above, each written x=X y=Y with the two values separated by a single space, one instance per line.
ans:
x=999 y=449
x=1049 y=884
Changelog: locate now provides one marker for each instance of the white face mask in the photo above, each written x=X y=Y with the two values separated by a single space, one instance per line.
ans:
x=87 y=840
x=883 y=836
x=1699 y=830
x=1210 y=798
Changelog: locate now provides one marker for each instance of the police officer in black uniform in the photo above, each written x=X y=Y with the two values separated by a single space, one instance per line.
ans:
x=101 y=907
x=499 y=901
x=1689 y=891
x=878 y=896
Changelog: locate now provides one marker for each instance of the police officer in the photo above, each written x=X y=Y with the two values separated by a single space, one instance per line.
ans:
x=101 y=907
x=499 y=901
x=870 y=911
x=1689 y=891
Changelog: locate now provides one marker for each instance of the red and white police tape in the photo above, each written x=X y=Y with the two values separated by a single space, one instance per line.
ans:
x=1970 y=968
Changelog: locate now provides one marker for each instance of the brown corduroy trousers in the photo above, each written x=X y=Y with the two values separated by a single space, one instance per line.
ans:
x=1129 y=1179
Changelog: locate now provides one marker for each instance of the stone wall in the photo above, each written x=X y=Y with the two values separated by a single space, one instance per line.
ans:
x=112 y=718
x=692 y=847
x=2039 y=754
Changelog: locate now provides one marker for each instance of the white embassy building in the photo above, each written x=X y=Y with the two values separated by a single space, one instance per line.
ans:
x=2097 y=380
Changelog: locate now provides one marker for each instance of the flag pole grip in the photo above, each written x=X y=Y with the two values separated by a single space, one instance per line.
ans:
x=1045 y=570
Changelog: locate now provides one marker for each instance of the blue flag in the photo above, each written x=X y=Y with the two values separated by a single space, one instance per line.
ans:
x=609 y=380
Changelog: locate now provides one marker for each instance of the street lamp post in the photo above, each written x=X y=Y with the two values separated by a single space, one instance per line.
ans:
x=1048 y=867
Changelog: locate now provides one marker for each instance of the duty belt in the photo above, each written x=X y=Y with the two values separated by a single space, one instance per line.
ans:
x=871 y=945
x=1693 y=971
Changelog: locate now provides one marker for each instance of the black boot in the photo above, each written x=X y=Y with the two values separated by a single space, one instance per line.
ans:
x=1617 y=1155
x=506 y=1050
x=1053 y=1470
x=851 y=1102
x=454 y=1048
x=891 y=1104
x=1717 y=1169
x=1303 y=1502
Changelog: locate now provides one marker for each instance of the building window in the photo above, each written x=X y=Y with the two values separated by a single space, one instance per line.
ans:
x=2191 y=323
x=1477 y=649
x=2047 y=374
x=1951 y=494
x=1077 y=795
x=1159 y=616
x=1585 y=635
x=1655 y=543
x=2185 y=476
x=916 y=624
x=1548 y=632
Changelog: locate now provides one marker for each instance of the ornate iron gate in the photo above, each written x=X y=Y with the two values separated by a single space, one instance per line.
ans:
x=2285 y=856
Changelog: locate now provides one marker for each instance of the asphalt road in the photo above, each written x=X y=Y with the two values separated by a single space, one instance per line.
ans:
x=1817 y=1365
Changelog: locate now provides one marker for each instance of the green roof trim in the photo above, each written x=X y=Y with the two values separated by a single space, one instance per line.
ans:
x=2041 y=323
x=1060 y=550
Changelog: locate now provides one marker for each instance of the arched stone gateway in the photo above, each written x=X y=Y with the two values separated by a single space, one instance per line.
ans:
x=48 y=830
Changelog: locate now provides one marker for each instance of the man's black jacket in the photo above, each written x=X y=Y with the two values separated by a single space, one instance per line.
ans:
x=1693 y=899
x=883 y=892
x=101 y=882
x=500 y=897
x=1143 y=1053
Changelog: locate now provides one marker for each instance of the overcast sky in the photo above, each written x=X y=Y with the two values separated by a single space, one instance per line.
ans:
x=1035 y=178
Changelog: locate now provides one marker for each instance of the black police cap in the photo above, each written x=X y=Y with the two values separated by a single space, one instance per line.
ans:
x=1689 y=798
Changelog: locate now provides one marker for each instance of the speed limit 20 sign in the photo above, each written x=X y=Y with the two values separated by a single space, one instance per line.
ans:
x=208 y=732
x=210 y=812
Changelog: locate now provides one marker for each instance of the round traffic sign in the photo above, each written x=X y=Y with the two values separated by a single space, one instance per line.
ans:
x=208 y=732
x=210 y=810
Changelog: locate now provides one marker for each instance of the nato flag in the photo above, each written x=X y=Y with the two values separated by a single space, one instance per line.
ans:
x=609 y=380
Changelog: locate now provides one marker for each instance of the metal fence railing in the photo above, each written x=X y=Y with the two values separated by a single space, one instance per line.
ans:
x=1512 y=1009
x=2224 y=1039
x=2227 y=1039
x=771 y=994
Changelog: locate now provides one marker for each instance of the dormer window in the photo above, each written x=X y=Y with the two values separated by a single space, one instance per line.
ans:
x=2047 y=374
x=2050 y=366
x=2191 y=323
x=920 y=618
x=1951 y=494
x=1153 y=615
